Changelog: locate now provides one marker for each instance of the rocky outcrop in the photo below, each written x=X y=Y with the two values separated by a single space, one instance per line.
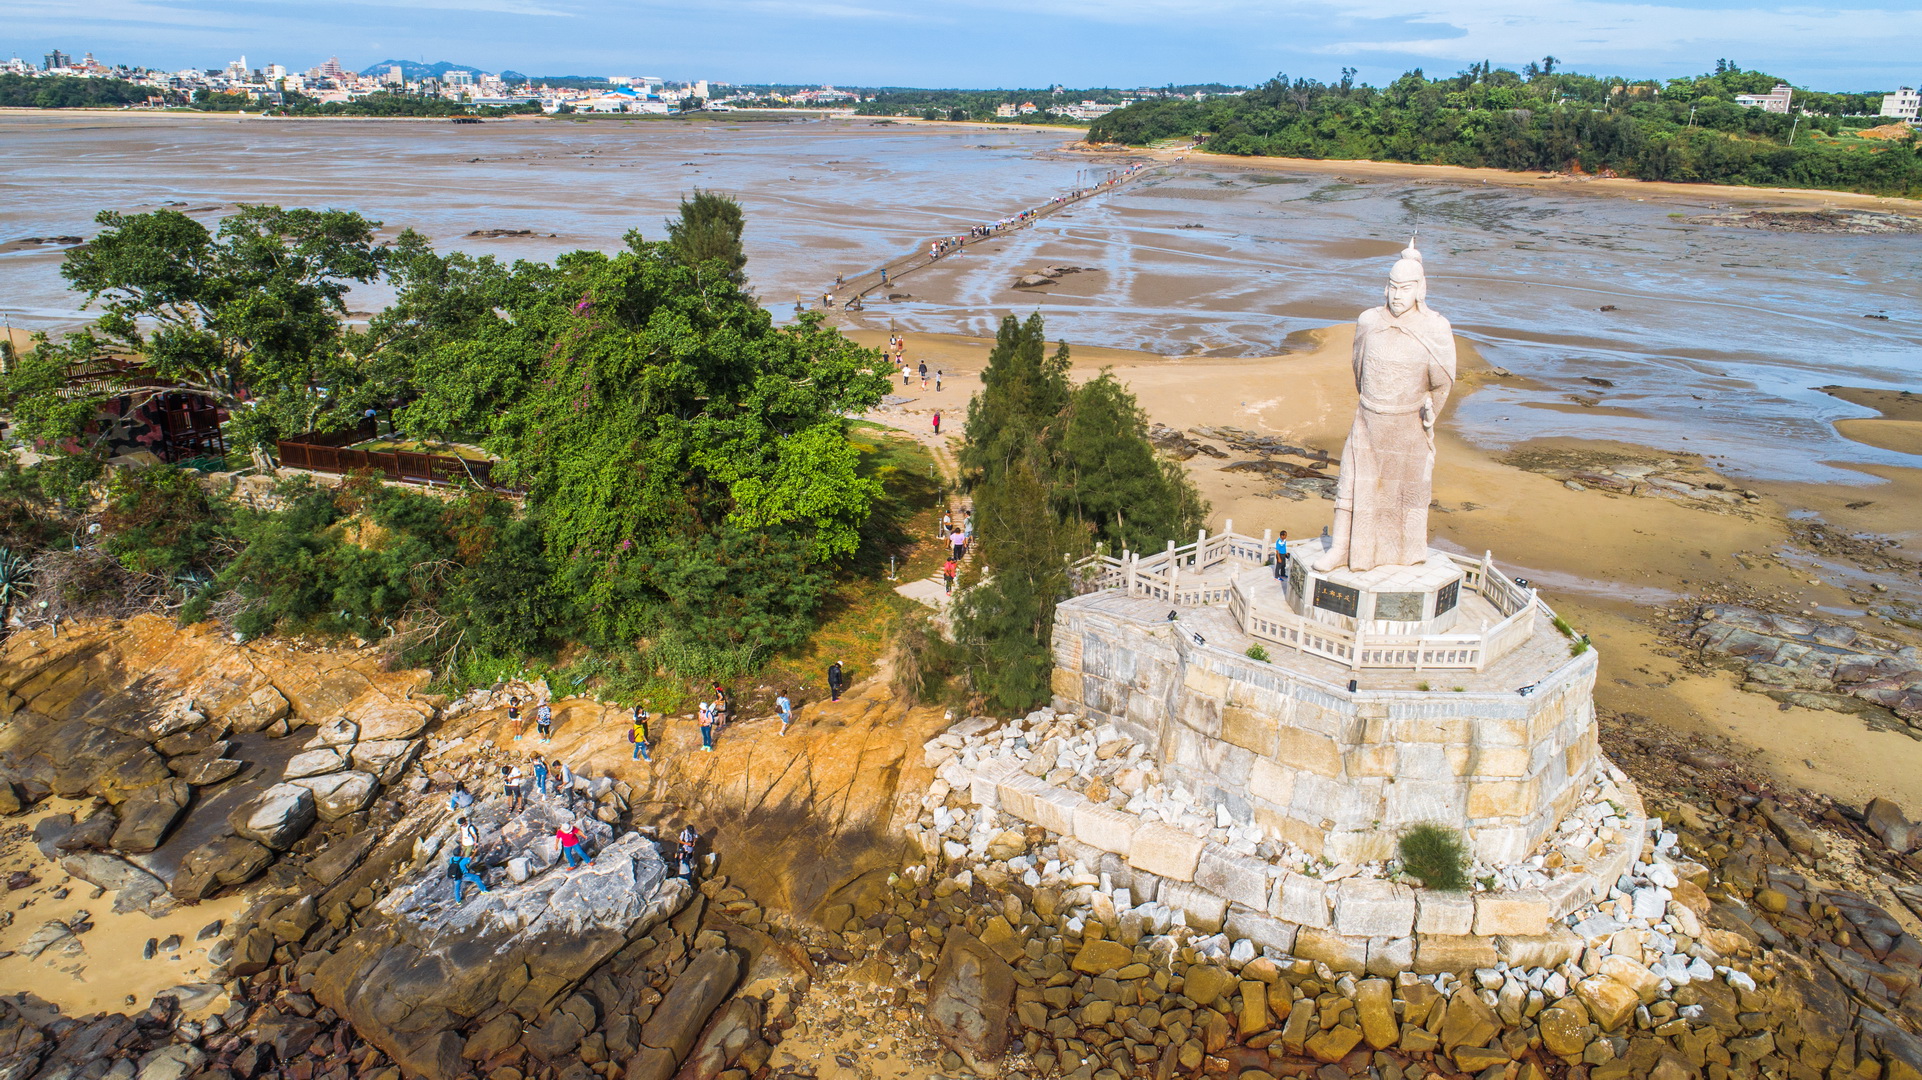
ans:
x=425 y=965
x=1814 y=664
x=147 y=817
x=227 y=860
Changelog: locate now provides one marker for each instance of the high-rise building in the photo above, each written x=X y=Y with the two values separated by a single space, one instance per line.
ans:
x=58 y=59
x=458 y=78
x=395 y=76
x=1904 y=104
x=700 y=89
x=331 y=68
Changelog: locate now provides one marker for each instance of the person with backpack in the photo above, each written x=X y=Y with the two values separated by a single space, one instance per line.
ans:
x=689 y=839
x=544 y=721
x=786 y=708
x=460 y=869
x=643 y=749
x=836 y=680
x=540 y=777
x=569 y=838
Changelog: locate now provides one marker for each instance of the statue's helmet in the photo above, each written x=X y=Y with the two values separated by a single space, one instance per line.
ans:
x=1408 y=268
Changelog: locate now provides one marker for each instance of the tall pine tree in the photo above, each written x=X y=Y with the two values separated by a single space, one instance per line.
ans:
x=1053 y=470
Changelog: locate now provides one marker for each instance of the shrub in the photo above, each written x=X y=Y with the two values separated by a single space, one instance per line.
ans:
x=1435 y=854
x=1256 y=652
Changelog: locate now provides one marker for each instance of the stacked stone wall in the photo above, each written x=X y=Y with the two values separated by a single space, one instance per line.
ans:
x=1338 y=774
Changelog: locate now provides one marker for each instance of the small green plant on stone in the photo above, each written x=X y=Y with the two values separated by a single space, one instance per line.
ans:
x=1256 y=652
x=1562 y=625
x=1422 y=686
x=1461 y=689
x=1436 y=855
x=1578 y=646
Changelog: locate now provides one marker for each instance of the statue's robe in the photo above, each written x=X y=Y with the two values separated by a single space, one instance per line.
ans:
x=1388 y=465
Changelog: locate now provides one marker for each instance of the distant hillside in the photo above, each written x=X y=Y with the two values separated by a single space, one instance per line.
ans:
x=414 y=69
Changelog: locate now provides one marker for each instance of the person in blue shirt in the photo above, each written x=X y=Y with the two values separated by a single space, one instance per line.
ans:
x=461 y=799
x=1281 y=556
x=540 y=776
x=786 y=708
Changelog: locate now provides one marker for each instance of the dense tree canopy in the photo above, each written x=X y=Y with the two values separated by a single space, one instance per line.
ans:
x=1684 y=130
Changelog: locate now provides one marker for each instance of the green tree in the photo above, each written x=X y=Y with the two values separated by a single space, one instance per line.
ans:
x=1004 y=615
x=248 y=319
x=1110 y=479
x=709 y=230
x=1023 y=393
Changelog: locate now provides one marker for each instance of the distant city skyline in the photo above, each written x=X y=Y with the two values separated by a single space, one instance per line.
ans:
x=997 y=43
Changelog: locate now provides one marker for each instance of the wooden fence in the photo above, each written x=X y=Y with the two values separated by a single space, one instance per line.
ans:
x=331 y=454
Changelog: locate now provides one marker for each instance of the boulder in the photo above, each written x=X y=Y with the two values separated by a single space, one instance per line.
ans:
x=1892 y=827
x=338 y=794
x=690 y=1001
x=227 y=860
x=738 y=1025
x=277 y=817
x=10 y=800
x=94 y=833
x=191 y=743
x=382 y=719
x=77 y=759
x=313 y=763
x=261 y=709
x=969 y=999
x=206 y=770
x=339 y=731
x=171 y=1062
x=385 y=758
x=134 y=889
x=147 y=817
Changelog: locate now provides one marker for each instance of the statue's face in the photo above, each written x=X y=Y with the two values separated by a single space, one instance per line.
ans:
x=1402 y=296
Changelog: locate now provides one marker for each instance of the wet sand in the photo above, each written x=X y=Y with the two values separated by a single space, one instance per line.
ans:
x=1610 y=563
x=109 y=973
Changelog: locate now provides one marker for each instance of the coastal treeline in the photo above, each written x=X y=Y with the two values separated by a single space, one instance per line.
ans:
x=1686 y=129
x=981 y=104
x=68 y=92
x=383 y=104
x=692 y=489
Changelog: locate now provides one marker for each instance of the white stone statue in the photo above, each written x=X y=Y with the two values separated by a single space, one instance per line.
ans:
x=1404 y=368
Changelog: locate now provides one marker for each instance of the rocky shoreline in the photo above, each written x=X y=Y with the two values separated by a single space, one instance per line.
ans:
x=1758 y=933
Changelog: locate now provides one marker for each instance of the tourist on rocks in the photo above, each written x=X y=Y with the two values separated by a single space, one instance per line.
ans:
x=837 y=681
x=569 y=837
x=511 y=786
x=514 y=720
x=540 y=777
x=460 y=871
x=689 y=838
x=461 y=799
x=723 y=707
x=643 y=745
x=707 y=728
x=1281 y=556
x=786 y=708
x=544 y=721
x=563 y=782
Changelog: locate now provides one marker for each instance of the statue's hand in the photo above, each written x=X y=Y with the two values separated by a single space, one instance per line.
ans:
x=1427 y=417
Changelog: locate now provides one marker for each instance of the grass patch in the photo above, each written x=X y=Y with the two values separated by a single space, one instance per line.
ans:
x=1256 y=652
x=1436 y=855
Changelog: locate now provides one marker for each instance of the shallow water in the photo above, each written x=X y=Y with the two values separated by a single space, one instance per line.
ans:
x=1717 y=339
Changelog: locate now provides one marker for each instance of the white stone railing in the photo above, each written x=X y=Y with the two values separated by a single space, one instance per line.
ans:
x=1191 y=575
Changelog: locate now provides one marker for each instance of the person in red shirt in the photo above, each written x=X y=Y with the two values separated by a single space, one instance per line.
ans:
x=947 y=576
x=569 y=836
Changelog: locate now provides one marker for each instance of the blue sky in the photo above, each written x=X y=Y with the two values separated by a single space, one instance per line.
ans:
x=995 y=42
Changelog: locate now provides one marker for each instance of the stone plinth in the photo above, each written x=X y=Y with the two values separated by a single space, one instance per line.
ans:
x=1421 y=599
x=1283 y=743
